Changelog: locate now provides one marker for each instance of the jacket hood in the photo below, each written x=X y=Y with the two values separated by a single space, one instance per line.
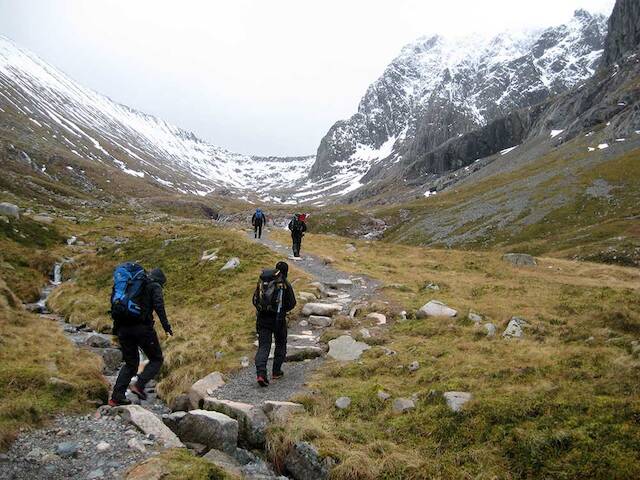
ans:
x=156 y=275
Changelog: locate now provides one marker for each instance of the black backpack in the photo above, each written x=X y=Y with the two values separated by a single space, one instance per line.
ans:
x=269 y=293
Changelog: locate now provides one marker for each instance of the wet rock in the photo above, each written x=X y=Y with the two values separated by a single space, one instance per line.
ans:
x=321 y=309
x=9 y=210
x=252 y=420
x=520 y=259
x=232 y=264
x=402 y=405
x=320 y=321
x=343 y=403
x=213 y=429
x=379 y=318
x=149 y=423
x=204 y=388
x=515 y=328
x=281 y=411
x=67 y=449
x=456 y=400
x=435 y=309
x=345 y=348
x=303 y=462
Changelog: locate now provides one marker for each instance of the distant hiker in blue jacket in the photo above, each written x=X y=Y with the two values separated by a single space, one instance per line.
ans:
x=258 y=220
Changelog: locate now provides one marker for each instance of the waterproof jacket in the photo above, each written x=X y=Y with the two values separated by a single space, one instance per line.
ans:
x=297 y=227
x=258 y=219
x=268 y=319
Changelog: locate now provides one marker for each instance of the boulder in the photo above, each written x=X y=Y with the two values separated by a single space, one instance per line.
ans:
x=345 y=348
x=172 y=421
x=402 y=405
x=281 y=411
x=299 y=353
x=303 y=462
x=515 y=328
x=342 y=403
x=319 y=321
x=9 y=210
x=435 y=309
x=321 y=309
x=379 y=318
x=98 y=341
x=306 y=297
x=181 y=403
x=204 y=388
x=224 y=461
x=456 y=400
x=213 y=429
x=232 y=264
x=490 y=328
x=252 y=421
x=150 y=424
x=520 y=259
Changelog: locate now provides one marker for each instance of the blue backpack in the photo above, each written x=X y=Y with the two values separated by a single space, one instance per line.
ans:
x=129 y=280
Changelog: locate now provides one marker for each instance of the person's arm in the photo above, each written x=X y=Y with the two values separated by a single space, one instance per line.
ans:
x=291 y=225
x=304 y=227
x=289 y=298
x=157 y=298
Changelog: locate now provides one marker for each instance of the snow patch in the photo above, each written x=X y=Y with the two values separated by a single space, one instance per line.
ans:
x=507 y=150
x=555 y=133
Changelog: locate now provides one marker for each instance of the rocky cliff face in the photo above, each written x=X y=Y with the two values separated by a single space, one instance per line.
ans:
x=439 y=89
x=624 y=28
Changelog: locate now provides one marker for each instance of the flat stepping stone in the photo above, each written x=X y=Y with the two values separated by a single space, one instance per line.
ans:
x=436 y=309
x=321 y=309
x=345 y=348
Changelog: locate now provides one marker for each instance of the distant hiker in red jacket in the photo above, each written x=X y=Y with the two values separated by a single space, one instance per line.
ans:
x=298 y=226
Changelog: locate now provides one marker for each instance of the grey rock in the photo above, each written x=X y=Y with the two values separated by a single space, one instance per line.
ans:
x=172 y=421
x=320 y=321
x=379 y=318
x=93 y=474
x=434 y=308
x=490 y=328
x=299 y=353
x=345 y=348
x=98 y=341
x=9 y=210
x=382 y=395
x=224 y=461
x=306 y=297
x=213 y=429
x=67 y=449
x=414 y=366
x=232 y=264
x=520 y=259
x=515 y=328
x=342 y=403
x=456 y=400
x=278 y=411
x=204 y=388
x=402 y=405
x=624 y=32
x=252 y=420
x=474 y=317
x=136 y=444
x=321 y=309
x=103 y=447
x=149 y=423
x=303 y=462
x=181 y=403
x=112 y=358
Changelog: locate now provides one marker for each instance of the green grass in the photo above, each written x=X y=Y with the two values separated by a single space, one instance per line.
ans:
x=178 y=464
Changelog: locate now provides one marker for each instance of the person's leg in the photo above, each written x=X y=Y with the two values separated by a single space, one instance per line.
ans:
x=260 y=231
x=264 y=348
x=150 y=345
x=255 y=231
x=280 y=353
x=131 y=358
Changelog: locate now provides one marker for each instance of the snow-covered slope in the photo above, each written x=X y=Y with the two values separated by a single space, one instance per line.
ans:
x=92 y=126
x=439 y=88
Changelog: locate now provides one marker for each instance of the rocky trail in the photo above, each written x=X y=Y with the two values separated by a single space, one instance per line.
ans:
x=222 y=419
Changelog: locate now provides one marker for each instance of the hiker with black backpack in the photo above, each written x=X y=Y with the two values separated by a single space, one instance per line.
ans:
x=273 y=298
x=298 y=226
x=134 y=298
x=258 y=220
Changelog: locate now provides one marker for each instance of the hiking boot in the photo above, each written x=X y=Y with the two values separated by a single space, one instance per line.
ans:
x=277 y=375
x=263 y=381
x=137 y=390
x=113 y=402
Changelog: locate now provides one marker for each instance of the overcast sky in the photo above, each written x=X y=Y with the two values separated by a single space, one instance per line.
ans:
x=254 y=76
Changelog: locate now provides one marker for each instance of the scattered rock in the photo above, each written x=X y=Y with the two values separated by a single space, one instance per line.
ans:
x=490 y=328
x=515 y=328
x=343 y=403
x=149 y=423
x=340 y=283
x=72 y=240
x=345 y=348
x=436 y=309
x=401 y=405
x=209 y=255
x=319 y=321
x=213 y=429
x=402 y=316
x=94 y=474
x=35 y=455
x=414 y=366
x=112 y=358
x=377 y=317
x=252 y=421
x=474 y=317
x=136 y=444
x=200 y=389
x=520 y=259
x=304 y=463
x=432 y=286
x=365 y=333
x=232 y=264
x=351 y=248
x=9 y=210
x=383 y=396
x=456 y=400
x=98 y=341
x=297 y=353
x=244 y=362
x=321 y=309
x=281 y=411
x=306 y=297
x=328 y=260
x=67 y=449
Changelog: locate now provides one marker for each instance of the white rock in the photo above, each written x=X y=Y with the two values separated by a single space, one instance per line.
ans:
x=136 y=444
x=72 y=240
x=401 y=405
x=343 y=403
x=321 y=309
x=490 y=328
x=377 y=317
x=474 y=317
x=233 y=263
x=414 y=366
x=306 y=297
x=9 y=210
x=103 y=447
x=456 y=400
x=149 y=423
x=303 y=323
x=514 y=328
x=382 y=395
x=345 y=348
x=244 y=362
x=365 y=333
x=436 y=309
x=198 y=390
x=209 y=255
x=320 y=321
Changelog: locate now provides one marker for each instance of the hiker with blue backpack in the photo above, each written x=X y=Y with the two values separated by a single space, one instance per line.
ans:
x=135 y=296
x=273 y=298
x=258 y=220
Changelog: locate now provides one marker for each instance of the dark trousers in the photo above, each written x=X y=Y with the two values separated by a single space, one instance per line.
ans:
x=297 y=244
x=131 y=338
x=266 y=331
x=257 y=230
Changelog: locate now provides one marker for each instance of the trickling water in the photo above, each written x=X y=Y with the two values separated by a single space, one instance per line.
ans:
x=57 y=274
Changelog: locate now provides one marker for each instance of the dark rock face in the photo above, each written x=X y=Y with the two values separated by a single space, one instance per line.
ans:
x=624 y=31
